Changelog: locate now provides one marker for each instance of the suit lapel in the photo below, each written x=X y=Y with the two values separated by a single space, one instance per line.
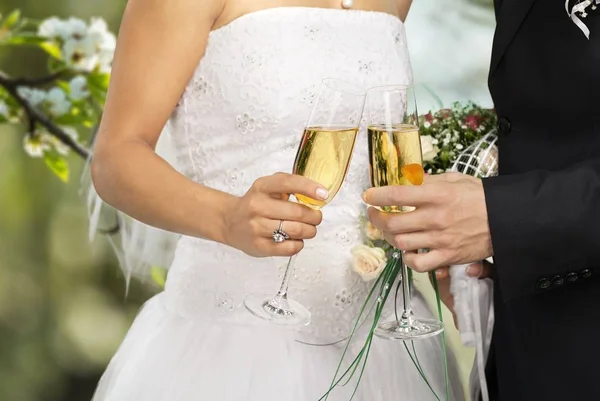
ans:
x=511 y=15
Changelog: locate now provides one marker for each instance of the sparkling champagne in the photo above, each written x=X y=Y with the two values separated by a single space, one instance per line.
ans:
x=324 y=156
x=395 y=158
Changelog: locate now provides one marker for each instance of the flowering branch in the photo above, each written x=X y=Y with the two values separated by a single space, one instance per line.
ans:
x=16 y=82
x=70 y=99
x=34 y=116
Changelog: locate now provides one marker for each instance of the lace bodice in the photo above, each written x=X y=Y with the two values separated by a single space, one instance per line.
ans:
x=241 y=118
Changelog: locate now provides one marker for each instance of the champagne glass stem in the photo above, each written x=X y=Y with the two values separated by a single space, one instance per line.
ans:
x=407 y=314
x=280 y=301
x=286 y=277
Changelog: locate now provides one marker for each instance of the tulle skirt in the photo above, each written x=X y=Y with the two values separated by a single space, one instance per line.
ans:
x=169 y=357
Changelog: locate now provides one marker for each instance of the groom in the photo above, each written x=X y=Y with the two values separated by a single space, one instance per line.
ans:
x=540 y=219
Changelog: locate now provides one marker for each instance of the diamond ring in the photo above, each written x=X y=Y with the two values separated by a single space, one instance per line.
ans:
x=279 y=235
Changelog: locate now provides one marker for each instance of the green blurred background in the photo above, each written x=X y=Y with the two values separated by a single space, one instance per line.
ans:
x=63 y=310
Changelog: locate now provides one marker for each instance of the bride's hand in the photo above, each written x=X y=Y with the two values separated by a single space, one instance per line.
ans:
x=249 y=225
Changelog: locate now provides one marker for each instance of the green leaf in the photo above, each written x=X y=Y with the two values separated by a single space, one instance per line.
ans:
x=69 y=119
x=52 y=49
x=57 y=164
x=159 y=275
x=88 y=123
x=99 y=95
x=25 y=39
x=55 y=65
x=99 y=80
x=64 y=85
x=11 y=19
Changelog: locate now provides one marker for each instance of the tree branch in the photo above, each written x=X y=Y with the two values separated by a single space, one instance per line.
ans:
x=11 y=85
x=33 y=81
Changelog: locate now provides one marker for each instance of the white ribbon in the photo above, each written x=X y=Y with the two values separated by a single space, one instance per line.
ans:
x=580 y=8
x=474 y=308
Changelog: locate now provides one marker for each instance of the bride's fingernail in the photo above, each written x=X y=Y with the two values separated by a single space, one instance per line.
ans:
x=364 y=196
x=322 y=193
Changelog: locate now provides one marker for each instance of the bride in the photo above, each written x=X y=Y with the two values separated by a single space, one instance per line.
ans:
x=236 y=80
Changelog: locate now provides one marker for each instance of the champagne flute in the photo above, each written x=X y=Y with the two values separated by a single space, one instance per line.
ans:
x=395 y=158
x=323 y=155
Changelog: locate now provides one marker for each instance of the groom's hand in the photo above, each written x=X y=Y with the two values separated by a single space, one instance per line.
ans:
x=450 y=220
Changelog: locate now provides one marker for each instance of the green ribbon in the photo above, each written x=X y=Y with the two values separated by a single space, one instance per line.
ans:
x=382 y=288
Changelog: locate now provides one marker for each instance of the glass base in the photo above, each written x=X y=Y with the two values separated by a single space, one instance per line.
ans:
x=278 y=310
x=415 y=330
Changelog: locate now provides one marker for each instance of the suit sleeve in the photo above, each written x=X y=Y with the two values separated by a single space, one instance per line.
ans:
x=545 y=228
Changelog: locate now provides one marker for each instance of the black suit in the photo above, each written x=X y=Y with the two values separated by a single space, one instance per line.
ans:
x=544 y=208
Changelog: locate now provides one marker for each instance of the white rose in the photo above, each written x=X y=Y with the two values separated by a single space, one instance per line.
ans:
x=430 y=151
x=368 y=262
x=373 y=233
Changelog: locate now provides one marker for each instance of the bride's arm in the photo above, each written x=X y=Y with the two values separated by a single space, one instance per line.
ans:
x=160 y=45
x=403 y=7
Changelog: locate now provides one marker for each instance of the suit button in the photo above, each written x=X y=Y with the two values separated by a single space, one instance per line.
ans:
x=587 y=273
x=558 y=280
x=572 y=277
x=543 y=283
x=503 y=126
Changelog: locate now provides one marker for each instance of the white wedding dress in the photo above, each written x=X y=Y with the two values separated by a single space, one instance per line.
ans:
x=241 y=118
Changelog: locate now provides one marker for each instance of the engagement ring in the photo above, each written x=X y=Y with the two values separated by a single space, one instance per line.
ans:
x=279 y=235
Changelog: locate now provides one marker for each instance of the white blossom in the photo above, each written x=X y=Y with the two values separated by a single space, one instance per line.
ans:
x=84 y=47
x=4 y=112
x=103 y=39
x=54 y=28
x=105 y=59
x=77 y=28
x=104 y=43
x=459 y=146
x=58 y=102
x=60 y=147
x=36 y=145
x=34 y=96
x=78 y=88
x=80 y=54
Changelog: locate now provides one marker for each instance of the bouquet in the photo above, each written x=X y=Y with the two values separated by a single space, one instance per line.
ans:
x=445 y=134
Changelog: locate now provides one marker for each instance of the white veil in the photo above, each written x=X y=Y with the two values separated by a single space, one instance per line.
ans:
x=138 y=246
